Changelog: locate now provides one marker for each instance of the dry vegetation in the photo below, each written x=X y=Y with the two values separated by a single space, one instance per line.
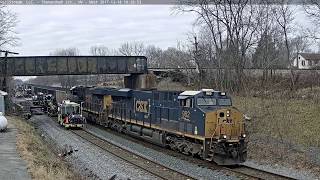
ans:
x=289 y=120
x=284 y=130
x=167 y=84
x=42 y=162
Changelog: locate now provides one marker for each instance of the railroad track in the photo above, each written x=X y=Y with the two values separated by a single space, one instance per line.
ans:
x=164 y=172
x=242 y=170
x=257 y=173
x=151 y=167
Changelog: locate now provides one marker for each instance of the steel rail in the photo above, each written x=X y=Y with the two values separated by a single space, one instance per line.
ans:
x=257 y=173
x=152 y=167
x=241 y=170
x=162 y=171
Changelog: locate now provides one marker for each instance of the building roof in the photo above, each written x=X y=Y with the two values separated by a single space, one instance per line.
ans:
x=189 y=93
x=68 y=102
x=2 y=93
x=311 y=56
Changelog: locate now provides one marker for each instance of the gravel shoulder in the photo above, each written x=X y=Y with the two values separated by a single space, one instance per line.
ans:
x=89 y=160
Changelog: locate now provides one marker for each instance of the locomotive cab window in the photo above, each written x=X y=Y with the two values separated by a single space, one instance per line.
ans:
x=186 y=102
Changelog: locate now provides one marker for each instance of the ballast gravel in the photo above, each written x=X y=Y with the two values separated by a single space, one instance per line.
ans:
x=89 y=160
x=186 y=167
x=94 y=163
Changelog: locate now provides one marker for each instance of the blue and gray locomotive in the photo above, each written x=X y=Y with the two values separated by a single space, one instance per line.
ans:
x=200 y=123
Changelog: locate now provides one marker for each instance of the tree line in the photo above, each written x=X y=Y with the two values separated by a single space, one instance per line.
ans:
x=231 y=35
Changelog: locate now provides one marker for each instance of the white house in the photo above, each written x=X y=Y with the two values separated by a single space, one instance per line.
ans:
x=306 y=61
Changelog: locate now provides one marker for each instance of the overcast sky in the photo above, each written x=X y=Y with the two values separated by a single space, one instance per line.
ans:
x=42 y=29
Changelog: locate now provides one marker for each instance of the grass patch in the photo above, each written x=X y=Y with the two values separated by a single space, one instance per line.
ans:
x=293 y=120
x=41 y=161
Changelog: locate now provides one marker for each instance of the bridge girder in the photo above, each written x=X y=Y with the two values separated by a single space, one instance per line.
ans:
x=72 y=65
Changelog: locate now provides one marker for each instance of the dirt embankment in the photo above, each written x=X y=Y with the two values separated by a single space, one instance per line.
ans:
x=41 y=161
x=283 y=131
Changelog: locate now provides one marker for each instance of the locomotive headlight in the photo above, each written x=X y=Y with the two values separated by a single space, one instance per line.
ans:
x=244 y=135
x=224 y=136
x=228 y=113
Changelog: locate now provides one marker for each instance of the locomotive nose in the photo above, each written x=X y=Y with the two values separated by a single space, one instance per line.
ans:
x=224 y=113
x=225 y=122
x=224 y=116
x=230 y=123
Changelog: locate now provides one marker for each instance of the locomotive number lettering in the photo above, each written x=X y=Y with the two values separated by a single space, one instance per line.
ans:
x=185 y=115
x=142 y=106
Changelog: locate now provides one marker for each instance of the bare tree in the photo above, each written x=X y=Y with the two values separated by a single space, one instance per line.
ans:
x=132 y=49
x=103 y=51
x=99 y=50
x=299 y=44
x=233 y=26
x=155 y=56
x=66 y=52
x=312 y=9
x=266 y=53
x=8 y=22
x=284 y=20
x=8 y=36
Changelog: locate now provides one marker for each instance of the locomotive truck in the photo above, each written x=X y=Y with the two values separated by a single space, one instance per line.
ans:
x=200 y=123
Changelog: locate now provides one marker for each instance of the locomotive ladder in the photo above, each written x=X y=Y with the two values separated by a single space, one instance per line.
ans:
x=211 y=147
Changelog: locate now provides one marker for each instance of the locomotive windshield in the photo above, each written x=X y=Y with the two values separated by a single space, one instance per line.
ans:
x=224 y=102
x=71 y=110
x=206 y=101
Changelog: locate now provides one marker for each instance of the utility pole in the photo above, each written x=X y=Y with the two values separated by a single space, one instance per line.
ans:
x=196 y=59
x=5 y=70
x=5 y=87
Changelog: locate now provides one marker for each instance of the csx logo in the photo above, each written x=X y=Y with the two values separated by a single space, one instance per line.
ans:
x=227 y=121
x=142 y=106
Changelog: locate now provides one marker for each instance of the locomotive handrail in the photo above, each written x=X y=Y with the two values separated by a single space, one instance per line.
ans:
x=212 y=136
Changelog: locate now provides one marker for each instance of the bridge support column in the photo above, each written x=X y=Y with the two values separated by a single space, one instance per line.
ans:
x=140 y=81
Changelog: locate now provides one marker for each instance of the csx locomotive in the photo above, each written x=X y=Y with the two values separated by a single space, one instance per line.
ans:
x=200 y=123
